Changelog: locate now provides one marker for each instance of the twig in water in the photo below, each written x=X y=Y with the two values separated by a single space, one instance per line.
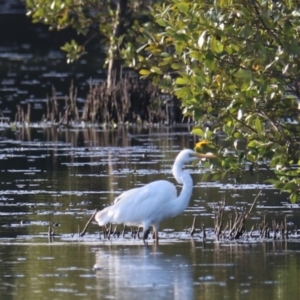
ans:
x=82 y=233
x=274 y=229
x=204 y=233
x=286 y=228
x=50 y=232
x=186 y=230
x=238 y=227
x=219 y=211
x=223 y=234
x=193 y=226
x=251 y=231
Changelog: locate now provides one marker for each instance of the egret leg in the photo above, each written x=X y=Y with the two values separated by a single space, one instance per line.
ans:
x=146 y=233
x=109 y=232
x=135 y=232
x=138 y=232
x=104 y=231
x=155 y=232
x=123 y=232
x=116 y=232
x=155 y=236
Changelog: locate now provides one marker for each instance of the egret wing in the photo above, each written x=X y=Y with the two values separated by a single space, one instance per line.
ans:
x=145 y=204
x=127 y=194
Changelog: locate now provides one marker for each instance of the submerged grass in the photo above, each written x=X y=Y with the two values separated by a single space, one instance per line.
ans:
x=130 y=101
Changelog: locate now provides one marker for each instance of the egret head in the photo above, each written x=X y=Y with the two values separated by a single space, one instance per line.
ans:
x=184 y=157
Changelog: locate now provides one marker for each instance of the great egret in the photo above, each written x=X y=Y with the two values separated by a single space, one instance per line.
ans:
x=155 y=201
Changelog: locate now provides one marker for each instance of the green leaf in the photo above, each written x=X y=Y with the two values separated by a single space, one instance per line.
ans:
x=197 y=131
x=156 y=70
x=181 y=81
x=210 y=61
x=253 y=144
x=243 y=74
x=183 y=7
x=216 y=45
x=290 y=187
x=237 y=135
x=258 y=125
x=294 y=198
x=175 y=66
x=144 y=72
x=208 y=134
x=161 y=22
x=166 y=54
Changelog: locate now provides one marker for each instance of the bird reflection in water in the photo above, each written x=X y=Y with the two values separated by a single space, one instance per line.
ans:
x=129 y=272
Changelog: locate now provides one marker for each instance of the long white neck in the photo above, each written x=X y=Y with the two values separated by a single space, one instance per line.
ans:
x=182 y=201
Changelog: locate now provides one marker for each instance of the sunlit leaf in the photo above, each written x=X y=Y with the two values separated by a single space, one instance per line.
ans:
x=181 y=81
x=240 y=114
x=144 y=72
x=156 y=70
x=197 y=131
x=285 y=69
x=201 y=39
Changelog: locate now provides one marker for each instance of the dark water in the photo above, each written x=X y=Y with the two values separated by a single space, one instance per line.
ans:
x=59 y=176
x=31 y=63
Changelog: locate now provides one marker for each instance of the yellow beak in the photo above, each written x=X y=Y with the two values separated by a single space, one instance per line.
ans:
x=205 y=155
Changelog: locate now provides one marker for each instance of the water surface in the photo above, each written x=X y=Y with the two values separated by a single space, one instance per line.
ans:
x=190 y=270
x=55 y=178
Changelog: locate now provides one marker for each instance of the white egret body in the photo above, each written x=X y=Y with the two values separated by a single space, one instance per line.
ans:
x=155 y=201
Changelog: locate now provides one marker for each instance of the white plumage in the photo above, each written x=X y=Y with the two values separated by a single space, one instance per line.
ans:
x=155 y=201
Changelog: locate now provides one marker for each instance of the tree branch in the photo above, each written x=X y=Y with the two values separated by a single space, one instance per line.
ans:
x=256 y=4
